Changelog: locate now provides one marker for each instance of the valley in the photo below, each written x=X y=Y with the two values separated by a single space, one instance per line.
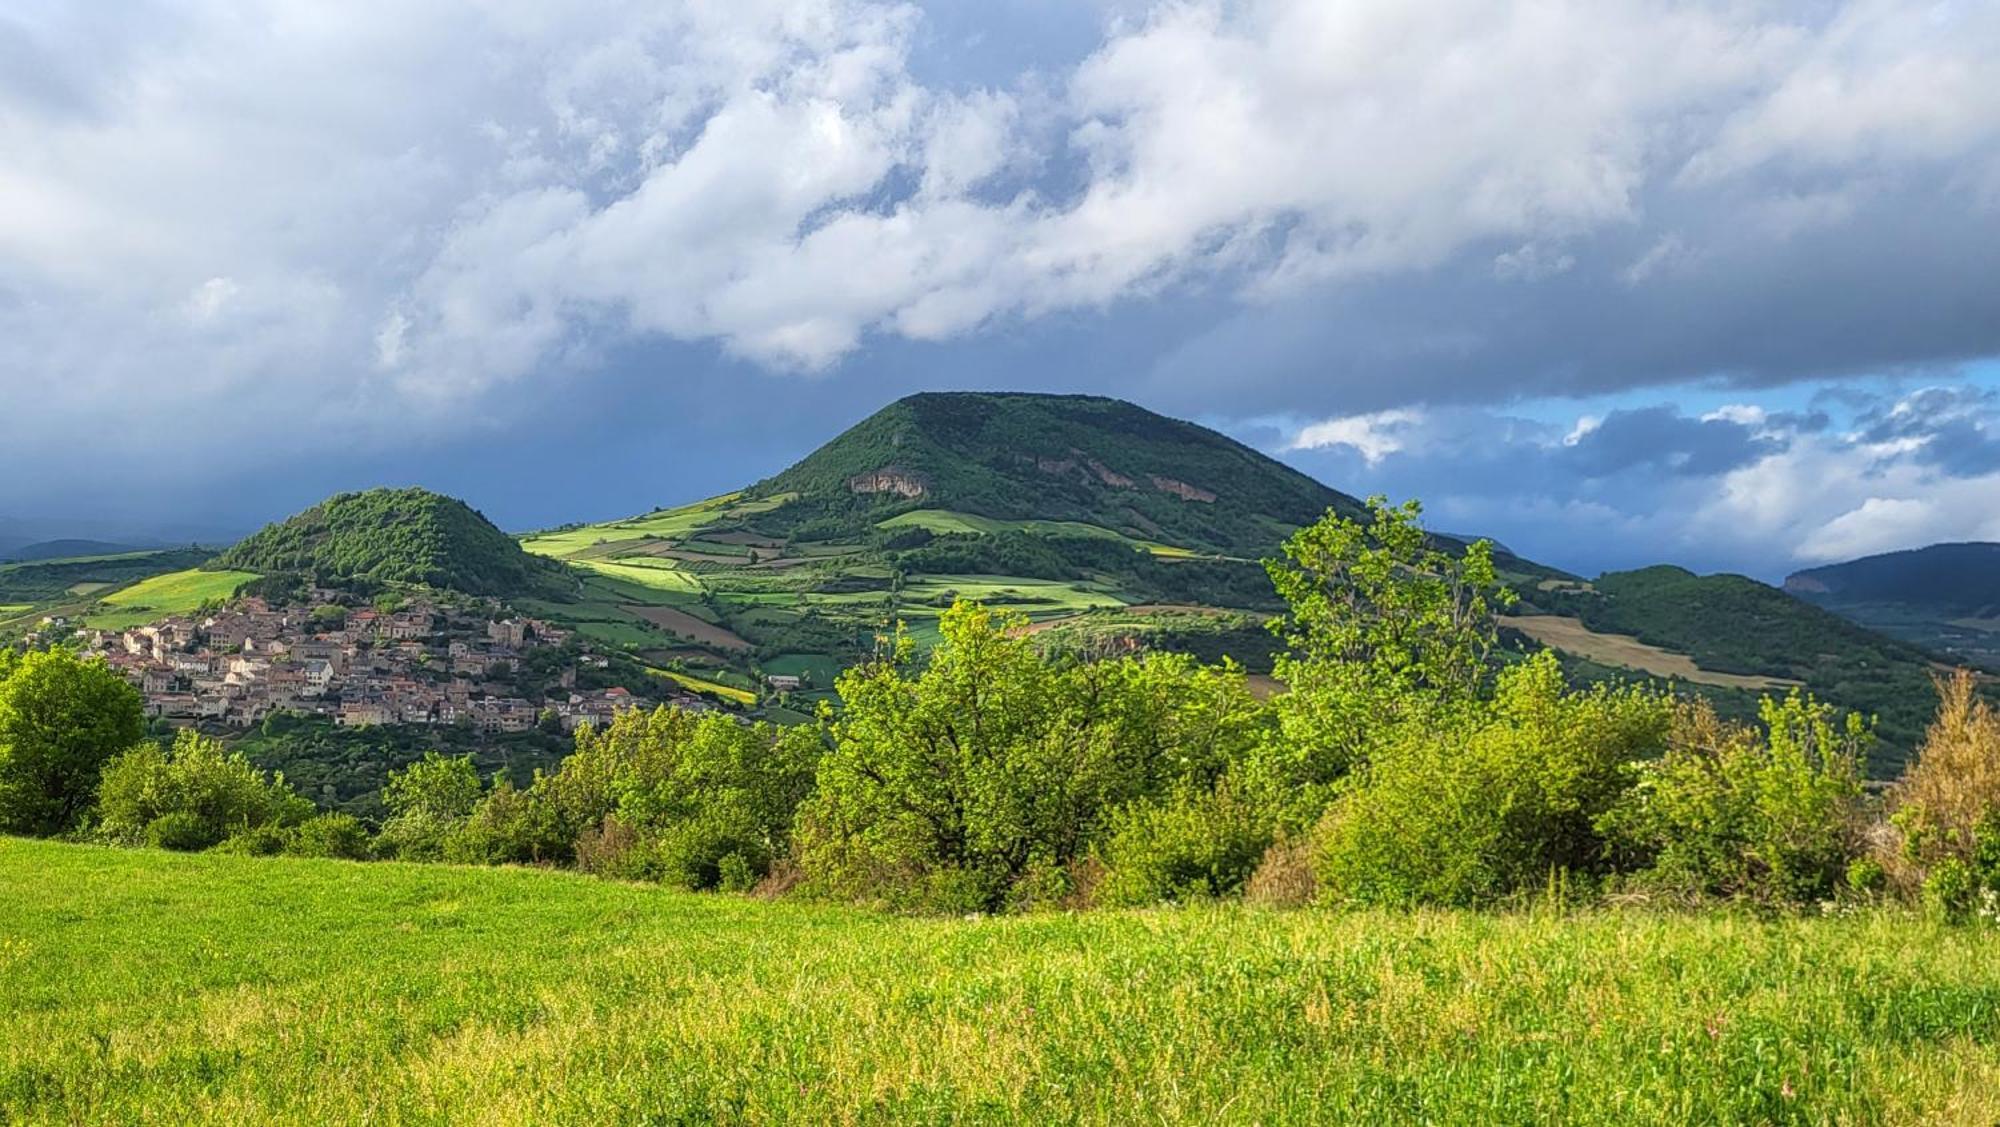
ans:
x=1108 y=527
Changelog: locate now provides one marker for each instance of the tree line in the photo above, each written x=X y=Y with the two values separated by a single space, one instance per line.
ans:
x=1408 y=762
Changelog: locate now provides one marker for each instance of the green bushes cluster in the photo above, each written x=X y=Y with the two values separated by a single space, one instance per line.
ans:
x=1408 y=763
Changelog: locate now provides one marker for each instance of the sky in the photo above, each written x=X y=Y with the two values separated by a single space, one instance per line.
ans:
x=1613 y=281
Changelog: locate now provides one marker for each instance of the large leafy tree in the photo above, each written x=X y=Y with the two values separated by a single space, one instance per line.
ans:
x=1384 y=625
x=61 y=718
x=974 y=781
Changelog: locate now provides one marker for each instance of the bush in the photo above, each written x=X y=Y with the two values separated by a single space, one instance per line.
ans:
x=194 y=795
x=181 y=830
x=1384 y=631
x=258 y=841
x=1731 y=811
x=1192 y=844
x=429 y=801
x=339 y=836
x=61 y=719
x=507 y=827
x=1946 y=808
x=1489 y=800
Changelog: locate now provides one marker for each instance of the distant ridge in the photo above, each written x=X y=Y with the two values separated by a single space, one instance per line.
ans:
x=1962 y=578
x=1945 y=597
x=67 y=549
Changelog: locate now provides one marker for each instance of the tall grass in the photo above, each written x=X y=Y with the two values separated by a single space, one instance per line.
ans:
x=154 y=987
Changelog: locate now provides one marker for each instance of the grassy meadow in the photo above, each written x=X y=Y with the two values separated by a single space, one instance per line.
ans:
x=178 y=592
x=140 y=986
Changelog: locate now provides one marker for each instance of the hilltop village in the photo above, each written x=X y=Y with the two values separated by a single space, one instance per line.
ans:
x=423 y=663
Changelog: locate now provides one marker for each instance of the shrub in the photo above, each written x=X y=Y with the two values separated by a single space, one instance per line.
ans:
x=1732 y=811
x=1383 y=628
x=181 y=830
x=257 y=841
x=194 y=795
x=1284 y=875
x=429 y=800
x=1194 y=843
x=976 y=781
x=61 y=719
x=1488 y=801
x=339 y=836
x=507 y=827
x=610 y=849
x=1946 y=807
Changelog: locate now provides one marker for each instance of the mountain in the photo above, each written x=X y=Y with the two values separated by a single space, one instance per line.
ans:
x=1079 y=458
x=1945 y=597
x=68 y=549
x=397 y=536
x=1743 y=635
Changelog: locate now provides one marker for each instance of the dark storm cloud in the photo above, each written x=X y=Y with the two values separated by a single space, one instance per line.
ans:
x=1663 y=439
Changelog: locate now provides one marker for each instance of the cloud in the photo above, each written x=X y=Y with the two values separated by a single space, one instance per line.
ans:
x=1374 y=436
x=1737 y=487
x=364 y=225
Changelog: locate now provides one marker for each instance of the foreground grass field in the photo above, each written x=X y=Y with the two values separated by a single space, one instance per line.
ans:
x=153 y=987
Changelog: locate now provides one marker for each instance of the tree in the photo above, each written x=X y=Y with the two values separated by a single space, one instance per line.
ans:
x=428 y=800
x=974 y=782
x=192 y=796
x=1382 y=625
x=61 y=718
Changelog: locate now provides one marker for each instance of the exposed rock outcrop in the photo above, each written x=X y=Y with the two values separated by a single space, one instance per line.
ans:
x=887 y=480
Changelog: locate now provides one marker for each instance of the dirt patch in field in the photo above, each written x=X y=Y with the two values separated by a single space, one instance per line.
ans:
x=1572 y=636
x=688 y=626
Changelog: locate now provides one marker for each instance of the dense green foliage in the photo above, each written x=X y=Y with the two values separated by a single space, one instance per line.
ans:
x=1731 y=624
x=61 y=718
x=1772 y=815
x=398 y=536
x=140 y=986
x=979 y=780
x=1385 y=629
x=191 y=796
x=1469 y=805
x=1051 y=457
x=344 y=769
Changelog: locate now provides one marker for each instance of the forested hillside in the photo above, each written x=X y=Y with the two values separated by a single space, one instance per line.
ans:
x=398 y=536
x=1945 y=597
x=1733 y=624
x=1048 y=457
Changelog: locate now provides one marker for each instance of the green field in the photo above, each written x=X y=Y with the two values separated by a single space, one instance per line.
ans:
x=176 y=592
x=154 y=987
x=696 y=684
x=945 y=521
x=666 y=523
x=655 y=576
x=820 y=667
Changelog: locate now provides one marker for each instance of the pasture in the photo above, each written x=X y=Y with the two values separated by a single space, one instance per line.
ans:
x=144 y=986
x=177 y=592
